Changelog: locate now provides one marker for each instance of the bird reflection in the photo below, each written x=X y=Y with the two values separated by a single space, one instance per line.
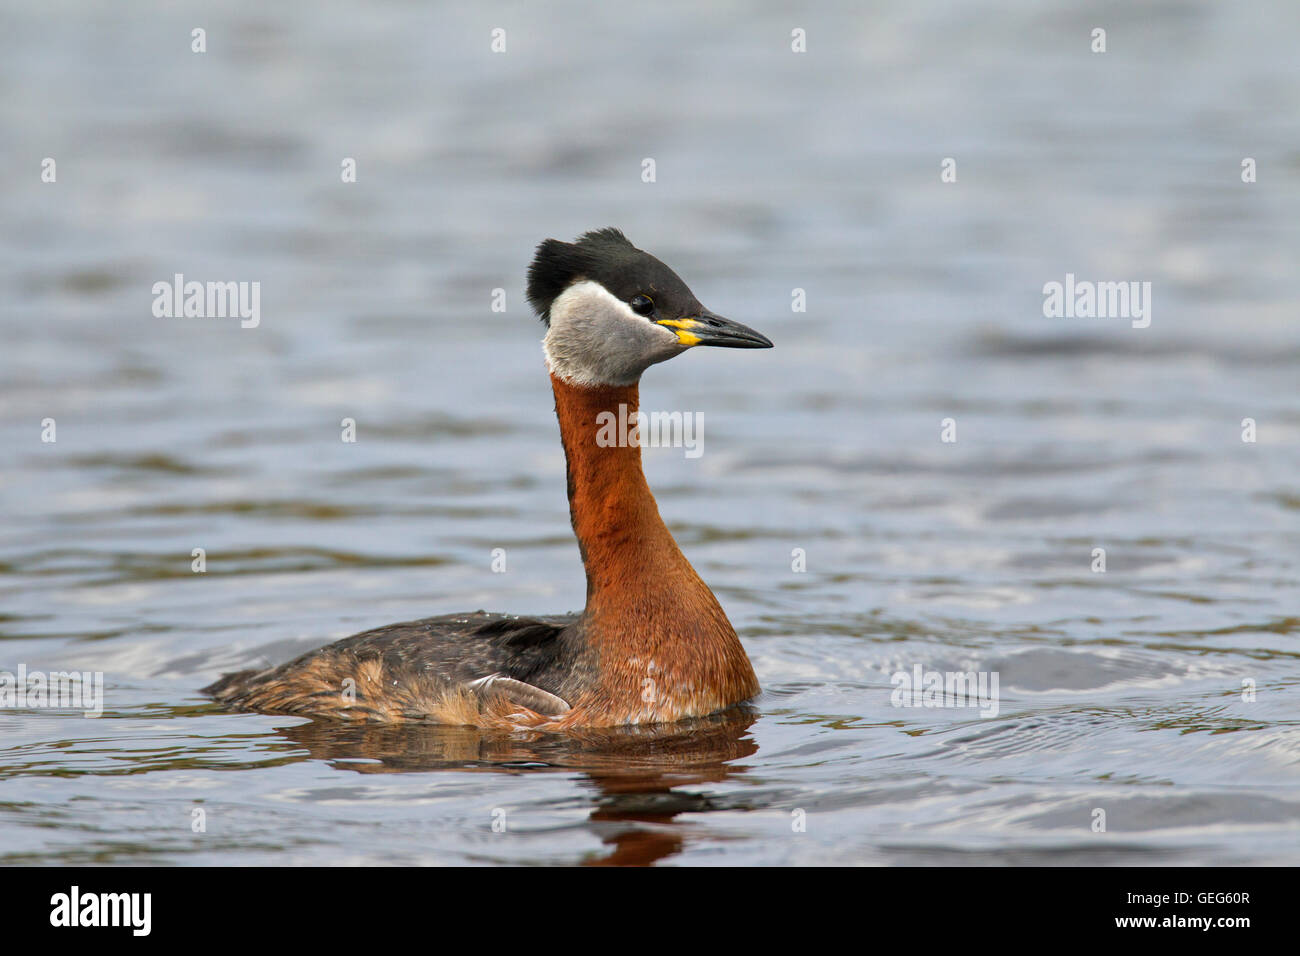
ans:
x=634 y=771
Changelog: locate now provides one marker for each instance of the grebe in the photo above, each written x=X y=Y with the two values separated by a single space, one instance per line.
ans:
x=652 y=645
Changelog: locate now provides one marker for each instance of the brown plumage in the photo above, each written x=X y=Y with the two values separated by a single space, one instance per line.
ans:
x=665 y=648
x=652 y=645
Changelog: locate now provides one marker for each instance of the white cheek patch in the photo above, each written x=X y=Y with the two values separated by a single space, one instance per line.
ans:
x=596 y=339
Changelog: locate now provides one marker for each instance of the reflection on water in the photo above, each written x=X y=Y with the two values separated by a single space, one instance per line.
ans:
x=1163 y=690
x=633 y=774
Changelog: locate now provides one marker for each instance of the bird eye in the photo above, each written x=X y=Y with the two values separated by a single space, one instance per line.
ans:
x=642 y=304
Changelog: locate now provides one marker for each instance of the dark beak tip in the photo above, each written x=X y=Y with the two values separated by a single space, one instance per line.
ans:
x=731 y=334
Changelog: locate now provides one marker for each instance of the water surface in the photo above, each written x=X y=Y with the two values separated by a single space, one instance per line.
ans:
x=775 y=171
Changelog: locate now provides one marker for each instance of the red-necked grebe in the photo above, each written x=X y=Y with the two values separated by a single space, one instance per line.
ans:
x=653 y=644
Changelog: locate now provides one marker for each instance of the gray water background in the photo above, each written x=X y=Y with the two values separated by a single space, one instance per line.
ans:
x=1120 y=691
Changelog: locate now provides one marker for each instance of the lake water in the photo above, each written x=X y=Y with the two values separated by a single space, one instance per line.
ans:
x=1126 y=692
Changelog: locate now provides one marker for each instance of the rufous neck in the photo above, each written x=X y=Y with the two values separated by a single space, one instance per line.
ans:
x=648 y=613
x=614 y=514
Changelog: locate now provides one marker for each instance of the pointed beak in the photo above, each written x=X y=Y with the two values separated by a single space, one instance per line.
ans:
x=709 y=329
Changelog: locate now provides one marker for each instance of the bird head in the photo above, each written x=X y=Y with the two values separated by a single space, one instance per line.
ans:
x=612 y=311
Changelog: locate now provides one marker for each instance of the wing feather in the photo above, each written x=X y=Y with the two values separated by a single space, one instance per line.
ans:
x=518 y=692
